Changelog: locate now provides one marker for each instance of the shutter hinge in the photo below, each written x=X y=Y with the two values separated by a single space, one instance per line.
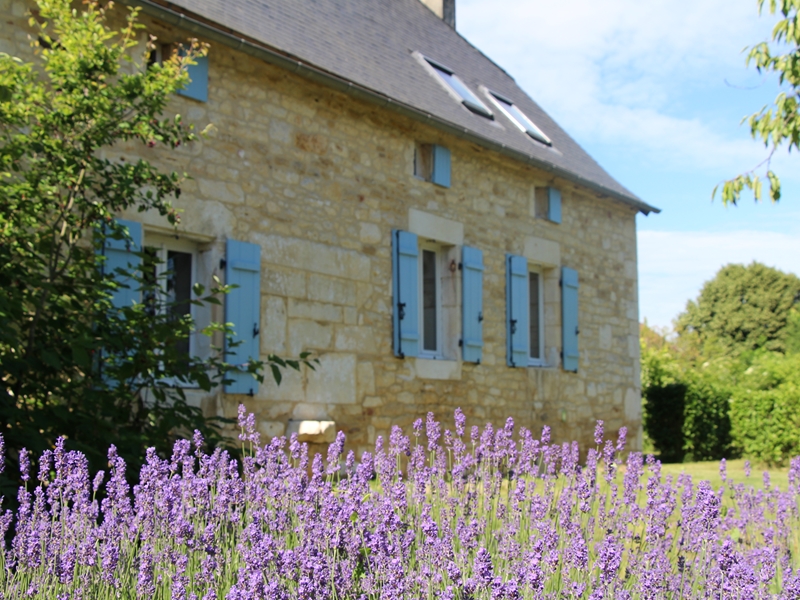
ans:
x=460 y=343
x=256 y=329
x=480 y=317
x=401 y=310
x=460 y=266
x=250 y=393
x=513 y=326
x=222 y=263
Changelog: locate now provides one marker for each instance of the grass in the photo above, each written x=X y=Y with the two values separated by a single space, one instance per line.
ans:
x=709 y=471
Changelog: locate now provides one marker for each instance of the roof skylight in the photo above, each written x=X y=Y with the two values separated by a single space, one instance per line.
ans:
x=452 y=80
x=519 y=118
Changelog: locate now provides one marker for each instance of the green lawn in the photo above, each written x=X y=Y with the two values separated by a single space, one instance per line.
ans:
x=710 y=471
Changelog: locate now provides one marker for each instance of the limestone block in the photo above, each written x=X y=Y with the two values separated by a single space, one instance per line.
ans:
x=311 y=256
x=370 y=233
x=291 y=387
x=542 y=252
x=426 y=368
x=271 y=429
x=366 y=378
x=314 y=311
x=283 y=282
x=221 y=191
x=280 y=131
x=355 y=338
x=308 y=336
x=334 y=380
x=330 y=289
x=605 y=337
x=312 y=432
x=273 y=325
x=434 y=227
x=373 y=401
x=633 y=405
x=310 y=411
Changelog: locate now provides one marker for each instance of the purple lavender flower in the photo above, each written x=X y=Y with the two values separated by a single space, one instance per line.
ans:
x=598 y=433
x=461 y=421
x=432 y=431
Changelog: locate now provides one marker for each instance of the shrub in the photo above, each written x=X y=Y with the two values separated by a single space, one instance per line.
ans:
x=453 y=515
x=686 y=413
x=765 y=409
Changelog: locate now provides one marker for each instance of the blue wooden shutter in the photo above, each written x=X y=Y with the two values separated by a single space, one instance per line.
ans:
x=405 y=293
x=242 y=308
x=517 y=307
x=472 y=304
x=120 y=254
x=441 y=166
x=569 y=319
x=554 y=205
x=197 y=88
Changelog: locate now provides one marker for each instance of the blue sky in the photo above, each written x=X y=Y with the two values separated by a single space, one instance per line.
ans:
x=655 y=92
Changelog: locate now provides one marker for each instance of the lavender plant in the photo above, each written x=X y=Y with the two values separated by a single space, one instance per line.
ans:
x=455 y=514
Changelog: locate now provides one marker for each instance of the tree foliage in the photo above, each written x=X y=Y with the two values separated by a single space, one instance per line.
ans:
x=742 y=308
x=72 y=363
x=779 y=123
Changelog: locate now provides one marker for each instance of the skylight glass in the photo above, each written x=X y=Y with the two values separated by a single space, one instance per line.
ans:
x=519 y=118
x=469 y=99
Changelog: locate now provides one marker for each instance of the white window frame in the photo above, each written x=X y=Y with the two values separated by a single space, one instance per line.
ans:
x=542 y=361
x=163 y=244
x=438 y=251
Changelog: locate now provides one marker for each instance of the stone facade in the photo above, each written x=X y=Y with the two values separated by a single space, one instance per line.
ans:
x=319 y=180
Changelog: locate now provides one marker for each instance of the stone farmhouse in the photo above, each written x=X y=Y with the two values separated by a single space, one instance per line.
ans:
x=389 y=199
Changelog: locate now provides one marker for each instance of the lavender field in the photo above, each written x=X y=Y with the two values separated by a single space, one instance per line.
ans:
x=478 y=514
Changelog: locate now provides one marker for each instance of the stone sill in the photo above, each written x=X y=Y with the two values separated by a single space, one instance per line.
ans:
x=439 y=369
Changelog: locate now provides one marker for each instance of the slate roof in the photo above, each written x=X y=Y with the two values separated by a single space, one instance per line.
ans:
x=368 y=46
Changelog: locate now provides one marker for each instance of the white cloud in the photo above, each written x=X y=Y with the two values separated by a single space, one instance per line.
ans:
x=612 y=72
x=674 y=265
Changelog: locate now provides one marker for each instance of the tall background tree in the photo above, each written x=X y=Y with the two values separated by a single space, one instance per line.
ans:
x=727 y=381
x=72 y=363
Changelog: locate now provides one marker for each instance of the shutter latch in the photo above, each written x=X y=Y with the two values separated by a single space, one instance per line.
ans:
x=401 y=310
x=513 y=326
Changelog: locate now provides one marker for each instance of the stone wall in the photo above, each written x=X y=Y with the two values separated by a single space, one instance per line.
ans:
x=319 y=180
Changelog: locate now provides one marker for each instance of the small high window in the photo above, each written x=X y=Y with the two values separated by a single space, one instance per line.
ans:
x=452 y=80
x=519 y=118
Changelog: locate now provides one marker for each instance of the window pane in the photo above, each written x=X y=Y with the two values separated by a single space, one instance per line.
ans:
x=536 y=346
x=429 y=325
x=470 y=100
x=179 y=289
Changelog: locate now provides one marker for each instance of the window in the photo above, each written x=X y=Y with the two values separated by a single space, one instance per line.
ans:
x=548 y=204
x=458 y=87
x=173 y=269
x=512 y=111
x=197 y=87
x=432 y=163
x=536 y=317
x=437 y=298
x=430 y=300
